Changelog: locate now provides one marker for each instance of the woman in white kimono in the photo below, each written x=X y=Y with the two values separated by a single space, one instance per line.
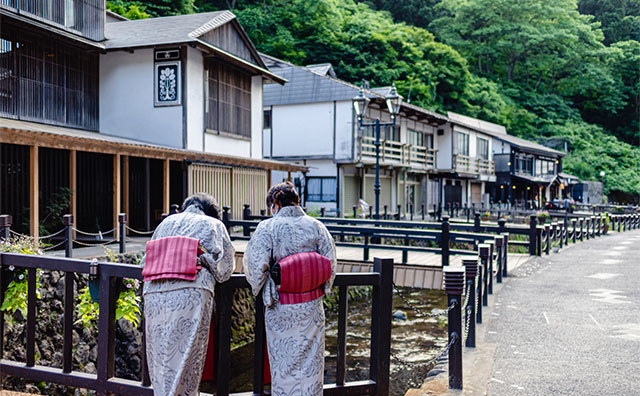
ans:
x=177 y=313
x=295 y=332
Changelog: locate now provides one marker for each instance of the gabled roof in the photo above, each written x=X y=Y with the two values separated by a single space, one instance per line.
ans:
x=317 y=83
x=499 y=132
x=199 y=29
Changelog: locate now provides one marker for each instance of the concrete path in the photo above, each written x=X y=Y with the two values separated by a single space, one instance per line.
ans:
x=570 y=325
x=563 y=324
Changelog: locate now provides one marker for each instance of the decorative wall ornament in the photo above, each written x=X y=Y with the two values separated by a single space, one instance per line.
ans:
x=167 y=82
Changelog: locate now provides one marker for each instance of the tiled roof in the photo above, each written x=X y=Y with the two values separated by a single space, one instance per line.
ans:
x=165 y=30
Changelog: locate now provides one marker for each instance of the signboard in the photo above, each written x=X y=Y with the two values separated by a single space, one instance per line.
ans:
x=167 y=80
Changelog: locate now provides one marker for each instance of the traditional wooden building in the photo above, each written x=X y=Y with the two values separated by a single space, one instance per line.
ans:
x=129 y=118
x=310 y=121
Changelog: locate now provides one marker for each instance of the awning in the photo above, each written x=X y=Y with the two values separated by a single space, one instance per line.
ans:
x=42 y=135
x=569 y=179
x=534 y=179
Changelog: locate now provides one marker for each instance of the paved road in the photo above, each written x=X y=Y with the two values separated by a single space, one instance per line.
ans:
x=569 y=324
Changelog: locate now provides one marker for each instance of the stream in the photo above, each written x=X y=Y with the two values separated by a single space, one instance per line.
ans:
x=415 y=340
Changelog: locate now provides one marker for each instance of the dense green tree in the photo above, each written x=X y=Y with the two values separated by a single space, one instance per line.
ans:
x=620 y=19
x=128 y=9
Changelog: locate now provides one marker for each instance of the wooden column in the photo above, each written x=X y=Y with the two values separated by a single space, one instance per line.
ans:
x=117 y=183
x=125 y=184
x=73 y=185
x=166 y=183
x=34 y=187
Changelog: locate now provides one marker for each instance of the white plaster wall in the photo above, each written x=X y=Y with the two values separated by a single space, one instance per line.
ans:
x=217 y=144
x=126 y=101
x=303 y=129
x=321 y=167
x=195 y=99
x=443 y=145
x=256 y=117
x=345 y=134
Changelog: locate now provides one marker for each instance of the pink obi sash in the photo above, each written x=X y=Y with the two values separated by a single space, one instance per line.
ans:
x=173 y=257
x=302 y=277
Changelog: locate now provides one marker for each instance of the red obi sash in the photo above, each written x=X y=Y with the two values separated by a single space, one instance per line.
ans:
x=302 y=277
x=173 y=257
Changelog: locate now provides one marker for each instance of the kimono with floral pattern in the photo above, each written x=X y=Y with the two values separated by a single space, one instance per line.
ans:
x=295 y=332
x=178 y=313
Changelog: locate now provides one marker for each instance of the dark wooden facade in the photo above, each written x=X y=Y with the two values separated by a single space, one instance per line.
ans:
x=226 y=37
x=82 y=17
x=44 y=79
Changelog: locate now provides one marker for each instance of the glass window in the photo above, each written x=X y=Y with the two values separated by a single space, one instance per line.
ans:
x=429 y=139
x=415 y=138
x=321 y=189
x=483 y=148
x=462 y=143
x=267 y=120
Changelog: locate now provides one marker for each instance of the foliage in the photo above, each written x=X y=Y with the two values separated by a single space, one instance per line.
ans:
x=127 y=305
x=619 y=19
x=128 y=9
x=15 y=297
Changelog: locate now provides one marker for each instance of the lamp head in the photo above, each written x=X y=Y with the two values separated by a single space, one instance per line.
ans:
x=360 y=104
x=393 y=101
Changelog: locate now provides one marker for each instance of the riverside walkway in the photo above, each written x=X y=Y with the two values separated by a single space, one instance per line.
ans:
x=564 y=324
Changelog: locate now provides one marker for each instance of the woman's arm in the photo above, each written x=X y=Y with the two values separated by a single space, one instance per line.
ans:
x=220 y=255
x=257 y=258
x=327 y=248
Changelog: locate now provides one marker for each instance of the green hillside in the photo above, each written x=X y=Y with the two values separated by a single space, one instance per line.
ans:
x=545 y=69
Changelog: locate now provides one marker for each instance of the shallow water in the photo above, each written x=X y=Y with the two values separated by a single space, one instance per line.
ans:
x=415 y=340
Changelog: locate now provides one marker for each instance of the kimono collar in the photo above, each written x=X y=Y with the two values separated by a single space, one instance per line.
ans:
x=195 y=209
x=290 y=211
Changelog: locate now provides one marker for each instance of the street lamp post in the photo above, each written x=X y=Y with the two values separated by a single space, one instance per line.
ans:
x=360 y=105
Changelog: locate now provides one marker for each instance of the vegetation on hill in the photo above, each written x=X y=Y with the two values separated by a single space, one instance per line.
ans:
x=545 y=69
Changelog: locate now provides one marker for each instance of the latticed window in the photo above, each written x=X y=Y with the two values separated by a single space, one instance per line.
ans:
x=228 y=99
x=45 y=80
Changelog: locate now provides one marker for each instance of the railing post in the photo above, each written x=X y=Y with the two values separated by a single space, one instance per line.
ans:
x=122 y=221
x=371 y=212
x=533 y=224
x=399 y=208
x=581 y=229
x=483 y=248
x=598 y=225
x=561 y=232
x=466 y=209
x=554 y=230
x=67 y=221
x=5 y=226
x=411 y=211
x=492 y=245
x=499 y=240
x=619 y=221
x=355 y=212
x=386 y=215
x=384 y=266
x=322 y=212
x=423 y=214
x=246 y=215
x=479 y=289
x=539 y=230
x=593 y=226
x=573 y=225
x=453 y=286
x=476 y=222
x=547 y=230
x=505 y=252
x=444 y=241
x=226 y=217
x=259 y=347
x=366 y=248
x=471 y=270
x=502 y=225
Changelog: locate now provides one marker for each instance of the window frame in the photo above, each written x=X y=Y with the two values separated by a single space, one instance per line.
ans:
x=324 y=197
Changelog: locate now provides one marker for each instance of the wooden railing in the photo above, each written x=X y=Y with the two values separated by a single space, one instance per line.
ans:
x=109 y=276
x=465 y=163
x=397 y=153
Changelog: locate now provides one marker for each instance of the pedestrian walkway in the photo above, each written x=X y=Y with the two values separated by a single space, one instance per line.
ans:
x=563 y=324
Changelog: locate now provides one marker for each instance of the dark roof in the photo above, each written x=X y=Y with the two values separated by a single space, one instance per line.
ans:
x=165 y=30
x=315 y=84
x=499 y=132
x=181 y=29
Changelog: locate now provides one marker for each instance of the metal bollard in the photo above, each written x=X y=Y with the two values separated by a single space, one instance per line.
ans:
x=454 y=286
x=483 y=248
x=471 y=270
x=499 y=241
x=539 y=231
x=67 y=221
x=505 y=252
x=533 y=224
x=5 y=226
x=561 y=232
x=122 y=221
x=444 y=241
x=581 y=229
x=476 y=222
x=547 y=231
x=490 y=274
x=573 y=225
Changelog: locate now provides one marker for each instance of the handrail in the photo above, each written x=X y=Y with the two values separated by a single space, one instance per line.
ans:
x=105 y=382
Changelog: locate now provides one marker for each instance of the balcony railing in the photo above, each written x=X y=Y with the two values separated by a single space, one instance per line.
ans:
x=393 y=152
x=464 y=163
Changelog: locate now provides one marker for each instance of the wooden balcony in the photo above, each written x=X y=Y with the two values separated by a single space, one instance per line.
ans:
x=474 y=165
x=396 y=153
